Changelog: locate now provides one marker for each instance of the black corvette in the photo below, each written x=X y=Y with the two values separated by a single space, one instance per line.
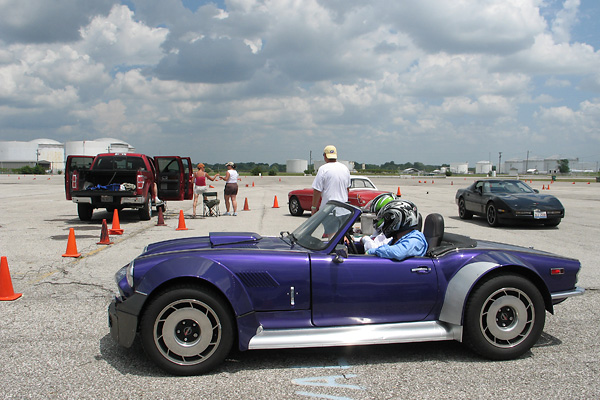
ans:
x=502 y=201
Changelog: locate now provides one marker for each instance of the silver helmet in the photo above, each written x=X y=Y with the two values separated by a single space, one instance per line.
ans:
x=397 y=215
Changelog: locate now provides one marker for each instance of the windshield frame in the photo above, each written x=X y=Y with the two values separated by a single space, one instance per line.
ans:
x=335 y=216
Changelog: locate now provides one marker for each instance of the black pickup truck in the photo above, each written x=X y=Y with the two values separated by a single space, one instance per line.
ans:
x=126 y=180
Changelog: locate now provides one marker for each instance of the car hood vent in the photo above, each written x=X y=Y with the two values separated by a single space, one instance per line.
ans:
x=257 y=279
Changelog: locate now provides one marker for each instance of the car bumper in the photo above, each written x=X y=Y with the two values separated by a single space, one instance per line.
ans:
x=560 y=296
x=531 y=215
x=123 y=317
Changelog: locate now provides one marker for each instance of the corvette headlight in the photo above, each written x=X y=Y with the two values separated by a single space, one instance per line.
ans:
x=130 y=274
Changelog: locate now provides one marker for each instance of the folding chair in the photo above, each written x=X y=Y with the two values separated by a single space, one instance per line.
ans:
x=210 y=204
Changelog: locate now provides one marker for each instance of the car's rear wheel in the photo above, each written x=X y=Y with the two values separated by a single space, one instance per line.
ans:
x=504 y=317
x=85 y=211
x=295 y=207
x=491 y=215
x=145 y=212
x=187 y=331
x=463 y=213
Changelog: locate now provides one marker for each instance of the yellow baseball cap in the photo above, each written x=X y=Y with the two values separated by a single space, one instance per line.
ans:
x=330 y=152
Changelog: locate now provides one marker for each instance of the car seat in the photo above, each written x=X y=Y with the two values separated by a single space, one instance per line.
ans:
x=433 y=229
x=210 y=204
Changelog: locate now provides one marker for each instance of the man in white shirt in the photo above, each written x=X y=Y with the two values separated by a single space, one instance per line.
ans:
x=332 y=181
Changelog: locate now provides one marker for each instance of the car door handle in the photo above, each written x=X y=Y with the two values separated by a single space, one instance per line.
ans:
x=421 y=270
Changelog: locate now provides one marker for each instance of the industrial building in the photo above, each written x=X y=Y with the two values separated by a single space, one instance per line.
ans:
x=51 y=154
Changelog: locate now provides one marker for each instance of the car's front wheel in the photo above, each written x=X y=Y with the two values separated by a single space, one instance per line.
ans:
x=491 y=215
x=295 y=207
x=187 y=331
x=504 y=317
x=463 y=213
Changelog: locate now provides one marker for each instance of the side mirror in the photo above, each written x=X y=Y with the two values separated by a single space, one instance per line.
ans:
x=535 y=190
x=341 y=252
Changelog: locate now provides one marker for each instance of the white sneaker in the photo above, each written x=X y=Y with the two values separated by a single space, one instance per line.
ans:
x=226 y=213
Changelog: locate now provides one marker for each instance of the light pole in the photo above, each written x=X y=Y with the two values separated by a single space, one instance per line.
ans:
x=499 y=162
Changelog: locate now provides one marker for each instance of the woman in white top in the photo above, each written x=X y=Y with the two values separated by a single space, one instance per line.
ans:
x=231 y=187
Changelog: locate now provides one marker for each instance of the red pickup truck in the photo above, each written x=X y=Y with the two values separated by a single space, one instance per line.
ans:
x=126 y=180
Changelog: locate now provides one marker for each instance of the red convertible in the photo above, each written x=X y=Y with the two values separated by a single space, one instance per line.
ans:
x=362 y=190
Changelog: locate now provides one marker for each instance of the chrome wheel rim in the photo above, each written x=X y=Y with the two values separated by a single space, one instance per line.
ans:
x=507 y=317
x=491 y=215
x=187 y=332
x=294 y=206
x=461 y=208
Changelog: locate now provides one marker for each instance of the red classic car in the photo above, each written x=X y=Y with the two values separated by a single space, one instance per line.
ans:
x=362 y=190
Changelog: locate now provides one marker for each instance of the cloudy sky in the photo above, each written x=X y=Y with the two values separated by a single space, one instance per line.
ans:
x=434 y=81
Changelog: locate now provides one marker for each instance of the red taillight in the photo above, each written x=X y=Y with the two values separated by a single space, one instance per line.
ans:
x=140 y=181
x=75 y=181
x=557 y=271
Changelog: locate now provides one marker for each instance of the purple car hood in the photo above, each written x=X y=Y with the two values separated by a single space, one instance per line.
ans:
x=219 y=240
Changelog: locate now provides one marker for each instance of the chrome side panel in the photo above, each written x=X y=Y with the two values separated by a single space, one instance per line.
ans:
x=354 y=335
x=458 y=289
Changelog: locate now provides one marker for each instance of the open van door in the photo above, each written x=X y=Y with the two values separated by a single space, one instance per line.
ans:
x=171 y=178
x=189 y=173
x=76 y=169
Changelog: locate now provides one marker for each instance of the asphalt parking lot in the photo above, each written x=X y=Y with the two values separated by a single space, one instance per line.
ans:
x=55 y=342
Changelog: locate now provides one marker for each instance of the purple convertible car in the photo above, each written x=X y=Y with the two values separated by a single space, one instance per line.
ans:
x=192 y=300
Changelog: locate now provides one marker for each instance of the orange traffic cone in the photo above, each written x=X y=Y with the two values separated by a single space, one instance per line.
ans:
x=451 y=183
x=543 y=187
x=161 y=217
x=252 y=183
x=275 y=203
x=398 y=193
x=104 y=239
x=116 y=226
x=7 y=292
x=246 y=205
x=181 y=226
x=72 y=245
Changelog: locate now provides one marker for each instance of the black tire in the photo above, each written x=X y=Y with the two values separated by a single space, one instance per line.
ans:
x=85 y=211
x=491 y=215
x=463 y=213
x=187 y=331
x=504 y=317
x=145 y=212
x=295 y=207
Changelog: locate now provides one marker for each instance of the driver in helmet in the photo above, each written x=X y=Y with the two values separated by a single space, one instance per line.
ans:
x=399 y=220
x=377 y=238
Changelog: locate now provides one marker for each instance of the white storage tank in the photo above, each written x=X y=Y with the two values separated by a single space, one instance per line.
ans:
x=296 y=166
x=18 y=151
x=52 y=151
x=483 y=167
x=95 y=147
x=459 y=168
